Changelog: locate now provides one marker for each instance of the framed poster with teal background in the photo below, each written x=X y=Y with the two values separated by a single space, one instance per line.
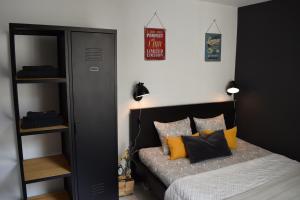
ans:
x=213 y=43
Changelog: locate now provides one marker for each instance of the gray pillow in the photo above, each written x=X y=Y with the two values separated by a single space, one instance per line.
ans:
x=214 y=124
x=177 y=128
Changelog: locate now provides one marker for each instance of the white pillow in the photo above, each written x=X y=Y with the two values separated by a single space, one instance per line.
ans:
x=214 y=123
x=177 y=128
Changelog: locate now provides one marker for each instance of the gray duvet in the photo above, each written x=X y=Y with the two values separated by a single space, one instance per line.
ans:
x=273 y=177
x=286 y=187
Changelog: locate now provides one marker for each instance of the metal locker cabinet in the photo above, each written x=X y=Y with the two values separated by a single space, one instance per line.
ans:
x=93 y=63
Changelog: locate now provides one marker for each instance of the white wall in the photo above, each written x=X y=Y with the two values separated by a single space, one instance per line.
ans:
x=183 y=78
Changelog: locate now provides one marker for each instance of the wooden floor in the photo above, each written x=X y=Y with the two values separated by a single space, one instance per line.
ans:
x=52 y=196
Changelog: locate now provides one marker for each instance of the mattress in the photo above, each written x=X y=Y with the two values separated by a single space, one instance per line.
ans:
x=170 y=170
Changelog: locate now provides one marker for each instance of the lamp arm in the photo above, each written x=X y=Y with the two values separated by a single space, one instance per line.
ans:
x=133 y=151
x=234 y=107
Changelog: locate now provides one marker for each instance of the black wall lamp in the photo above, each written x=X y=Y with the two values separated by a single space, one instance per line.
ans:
x=140 y=91
x=232 y=88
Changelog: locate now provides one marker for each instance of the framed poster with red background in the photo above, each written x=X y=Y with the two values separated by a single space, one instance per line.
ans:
x=155 y=44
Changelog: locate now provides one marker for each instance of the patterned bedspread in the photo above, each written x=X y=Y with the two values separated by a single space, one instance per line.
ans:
x=170 y=170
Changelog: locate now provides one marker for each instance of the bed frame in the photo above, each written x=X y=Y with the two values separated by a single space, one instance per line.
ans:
x=149 y=137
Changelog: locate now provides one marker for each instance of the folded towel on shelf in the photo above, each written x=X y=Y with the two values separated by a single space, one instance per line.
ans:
x=28 y=123
x=38 y=68
x=41 y=119
x=38 y=74
x=42 y=71
x=39 y=115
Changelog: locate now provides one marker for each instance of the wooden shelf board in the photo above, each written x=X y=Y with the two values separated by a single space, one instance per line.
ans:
x=52 y=196
x=40 y=80
x=45 y=168
x=32 y=131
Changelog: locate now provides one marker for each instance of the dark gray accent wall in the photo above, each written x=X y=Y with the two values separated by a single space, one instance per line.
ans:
x=268 y=72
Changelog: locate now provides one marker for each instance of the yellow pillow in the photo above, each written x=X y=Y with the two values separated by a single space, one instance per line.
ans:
x=207 y=132
x=176 y=146
x=229 y=134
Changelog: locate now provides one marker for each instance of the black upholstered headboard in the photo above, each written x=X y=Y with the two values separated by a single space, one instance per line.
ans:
x=149 y=137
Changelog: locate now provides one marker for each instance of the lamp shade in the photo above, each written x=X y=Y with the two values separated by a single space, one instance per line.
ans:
x=140 y=91
x=232 y=88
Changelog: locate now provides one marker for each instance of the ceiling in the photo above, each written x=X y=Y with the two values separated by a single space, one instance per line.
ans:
x=236 y=3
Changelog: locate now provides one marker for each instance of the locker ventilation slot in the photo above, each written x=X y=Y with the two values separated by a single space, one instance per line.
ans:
x=97 y=190
x=94 y=54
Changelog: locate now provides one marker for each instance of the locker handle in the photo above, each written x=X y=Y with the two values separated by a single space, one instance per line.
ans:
x=94 y=69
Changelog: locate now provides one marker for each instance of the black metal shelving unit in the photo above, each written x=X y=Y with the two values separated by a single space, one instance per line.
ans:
x=88 y=104
x=49 y=167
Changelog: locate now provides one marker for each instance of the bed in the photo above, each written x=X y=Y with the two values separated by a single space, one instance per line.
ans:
x=250 y=173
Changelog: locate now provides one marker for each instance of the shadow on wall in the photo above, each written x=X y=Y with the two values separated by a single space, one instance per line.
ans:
x=6 y=137
x=5 y=67
x=10 y=180
x=4 y=72
x=8 y=164
x=10 y=189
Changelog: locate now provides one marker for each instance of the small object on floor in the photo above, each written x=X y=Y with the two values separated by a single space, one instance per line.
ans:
x=126 y=187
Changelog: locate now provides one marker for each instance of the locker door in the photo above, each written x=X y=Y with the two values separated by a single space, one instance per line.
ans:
x=93 y=77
